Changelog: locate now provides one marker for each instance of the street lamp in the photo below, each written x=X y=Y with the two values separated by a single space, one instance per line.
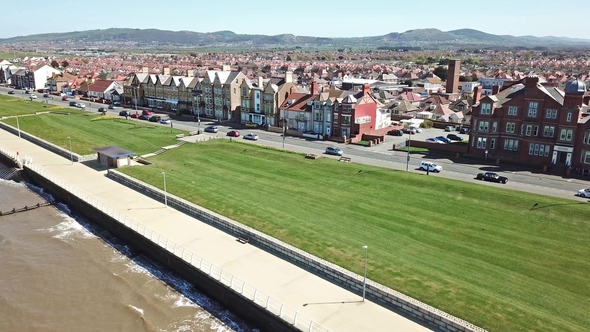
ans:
x=18 y=127
x=71 y=154
x=365 y=279
x=409 y=144
x=284 y=130
x=165 y=192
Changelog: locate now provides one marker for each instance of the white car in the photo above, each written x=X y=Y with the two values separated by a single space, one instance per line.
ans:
x=584 y=192
x=431 y=167
x=252 y=137
x=33 y=96
x=416 y=129
x=165 y=121
x=434 y=140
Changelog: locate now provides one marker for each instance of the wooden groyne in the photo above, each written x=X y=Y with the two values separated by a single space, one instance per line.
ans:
x=26 y=208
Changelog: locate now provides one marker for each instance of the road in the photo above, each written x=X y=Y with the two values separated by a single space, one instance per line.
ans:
x=380 y=155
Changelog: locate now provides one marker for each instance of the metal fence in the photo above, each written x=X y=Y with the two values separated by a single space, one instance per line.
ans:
x=237 y=285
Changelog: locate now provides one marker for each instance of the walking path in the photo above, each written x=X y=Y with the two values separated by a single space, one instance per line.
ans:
x=325 y=303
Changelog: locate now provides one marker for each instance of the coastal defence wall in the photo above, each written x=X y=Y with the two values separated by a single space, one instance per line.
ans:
x=336 y=274
x=231 y=293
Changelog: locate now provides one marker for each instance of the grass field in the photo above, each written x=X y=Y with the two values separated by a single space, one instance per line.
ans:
x=88 y=131
x=16 y=106
x=479 y=252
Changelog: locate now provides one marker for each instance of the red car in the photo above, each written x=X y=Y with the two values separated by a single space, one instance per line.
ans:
x=64 y=98
x=146 y=112
x=409 y=131
x=135 y=115
x=233 y=133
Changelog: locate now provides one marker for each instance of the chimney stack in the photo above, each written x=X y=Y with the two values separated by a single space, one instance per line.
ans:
x=225 y=68
x=495 y=89
x=166 y=70
x=314 y=88
x=190 y=73
x=476 y=94
x=145 y=70
x=366 y=89
x=453 y=76
x=260 y=81
x=288 y=77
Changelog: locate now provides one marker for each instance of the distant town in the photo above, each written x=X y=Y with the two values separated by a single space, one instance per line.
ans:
x=524 y=106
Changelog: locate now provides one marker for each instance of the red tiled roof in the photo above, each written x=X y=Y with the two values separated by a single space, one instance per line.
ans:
x=297 y=101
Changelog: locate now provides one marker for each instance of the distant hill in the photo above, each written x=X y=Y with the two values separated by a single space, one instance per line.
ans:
x=418 y=37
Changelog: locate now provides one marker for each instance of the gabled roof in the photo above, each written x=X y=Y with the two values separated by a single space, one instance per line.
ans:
x=297 y=102
x=100 y=85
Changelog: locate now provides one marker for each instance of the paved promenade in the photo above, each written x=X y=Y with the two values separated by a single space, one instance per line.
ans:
x=325 y=303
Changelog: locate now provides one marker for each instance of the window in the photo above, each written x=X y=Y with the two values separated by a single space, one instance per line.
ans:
x=529 y=130
x=512 y=110
x=569 y=117
x=566 y=135
x=587 y=137
x=549 y=131
x=510 y=145
x=318 y=116
x=245 y=92
x=486 y=108
x=535 y=130
x=483 y=126
x=541 y=150
x=492 y=143
x=533 y=106
x=586 y=157
x=510 y=126
x=346 y=119
x=551 y=114
x=336 y=117
x=494 y=126
x=481 y=142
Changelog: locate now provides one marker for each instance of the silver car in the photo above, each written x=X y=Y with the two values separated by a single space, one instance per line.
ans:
x=334 y=151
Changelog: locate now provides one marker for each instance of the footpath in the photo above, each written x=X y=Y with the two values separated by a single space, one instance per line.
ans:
x=331 y=306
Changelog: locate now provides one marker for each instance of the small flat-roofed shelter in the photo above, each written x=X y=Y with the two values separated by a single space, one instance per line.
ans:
x=114 y=156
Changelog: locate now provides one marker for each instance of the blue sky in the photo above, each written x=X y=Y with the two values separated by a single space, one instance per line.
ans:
x=345 y=18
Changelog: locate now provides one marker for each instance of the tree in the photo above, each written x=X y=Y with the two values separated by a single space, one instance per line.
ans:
x=54 y=64
x=289 y=58
x=65 y=64
x=464 y=78
x=441 y=72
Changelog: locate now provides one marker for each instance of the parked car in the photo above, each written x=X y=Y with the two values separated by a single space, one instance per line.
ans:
x=33 y=96
x=233 y=133
x=73 y=103
x=396 y=132
x=112 y=107
x=144 y=117
x=124 y=113
x=416 y=129
x=491 y=176
x=211 y=129
x=165 y=121
x=409 y=131
x=434 y=140
x=252 y=137
x=146 y=112
x=102 y=109
x=155 y=118
x=431 y=167
x=443 y=139
x=64 y=98
x=334 y=151
x=464 y=130
x=450 y=128
x=80 y=105
x=117 y=103
x=454 y=137
x=251 y=125
x=584 y=192
x=11 y=92
x=46 y=95
x=135 y=116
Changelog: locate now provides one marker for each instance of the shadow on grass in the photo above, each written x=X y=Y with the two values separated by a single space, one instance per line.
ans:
x=537 y=207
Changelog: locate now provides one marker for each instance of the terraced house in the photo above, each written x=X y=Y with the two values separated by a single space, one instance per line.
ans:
x=218 y=94
x=532 y=124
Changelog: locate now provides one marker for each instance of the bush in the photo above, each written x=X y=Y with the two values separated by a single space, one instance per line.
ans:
x=426 y=124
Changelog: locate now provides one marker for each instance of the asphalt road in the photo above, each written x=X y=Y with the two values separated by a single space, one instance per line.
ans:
x=380 y=155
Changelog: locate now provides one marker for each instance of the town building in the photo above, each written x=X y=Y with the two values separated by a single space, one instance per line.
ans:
x=528 y=123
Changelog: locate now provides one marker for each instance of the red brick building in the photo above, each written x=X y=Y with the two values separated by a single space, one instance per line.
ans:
x=531 y=124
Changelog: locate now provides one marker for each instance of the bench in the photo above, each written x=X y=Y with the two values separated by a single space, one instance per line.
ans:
x=243 y=239
x=312 y=156
x=344 y=159
x=180 y=136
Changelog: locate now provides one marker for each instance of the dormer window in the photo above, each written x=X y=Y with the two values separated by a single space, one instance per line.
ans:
x=486 y=108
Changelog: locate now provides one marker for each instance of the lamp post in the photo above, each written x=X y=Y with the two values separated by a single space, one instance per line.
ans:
x=165 y=192
x=71 y=153
x=284 y=130
x=18 y=126
x=486 y=160
x=408 y=155
x=365 y=279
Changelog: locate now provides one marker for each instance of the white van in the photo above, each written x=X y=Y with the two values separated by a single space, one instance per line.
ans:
x=431 y=167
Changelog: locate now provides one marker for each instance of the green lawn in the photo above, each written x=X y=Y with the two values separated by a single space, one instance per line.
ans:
x=478 y=252
x=88 y=130
x=10 y=106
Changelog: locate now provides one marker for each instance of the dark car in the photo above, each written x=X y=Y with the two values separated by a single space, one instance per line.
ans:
x=112 y=107
x=491 y=176
x=464 y=130
x=144 y=117
x=102 y=109
x=233 y=133
x=396 y=132
x=11 y=92
x=155 y=118
x=211 y=129
x=443 y=139
x=454 y=137
x=124 y=113
x=73 y=103
x=46 y=95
